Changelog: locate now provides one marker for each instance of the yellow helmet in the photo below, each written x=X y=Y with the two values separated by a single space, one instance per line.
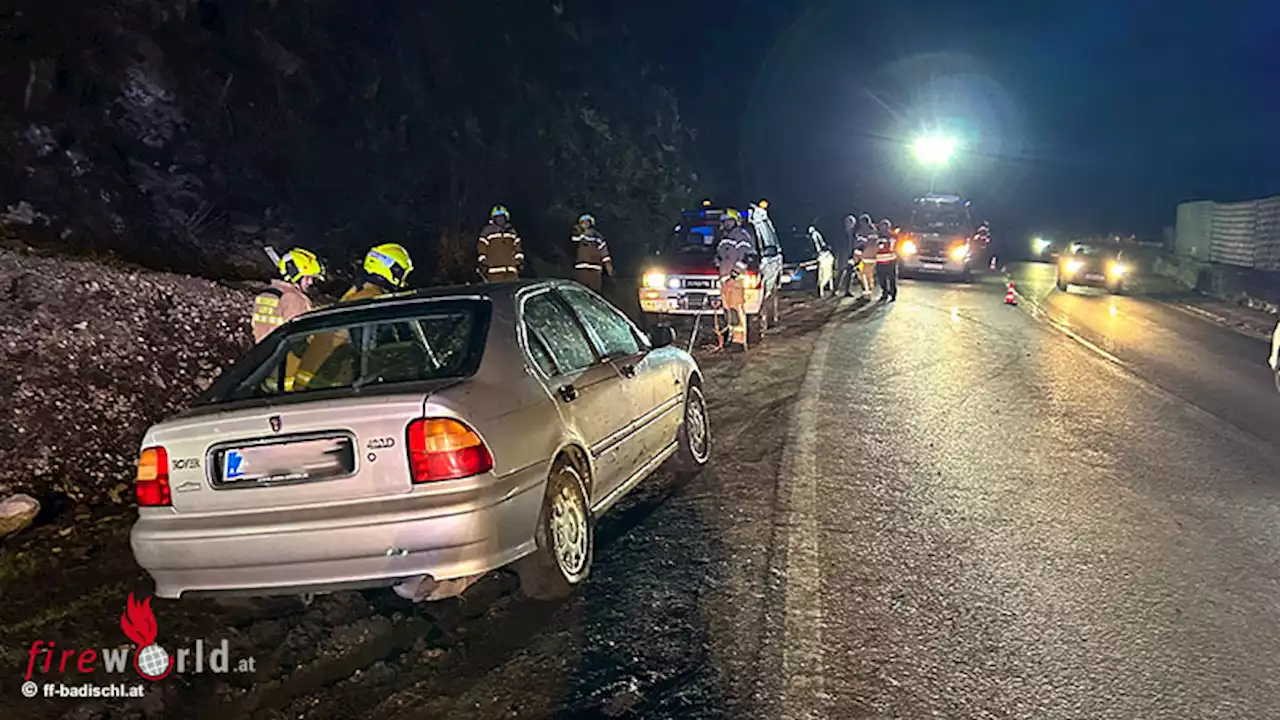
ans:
x=390 y=262
x=298 y=263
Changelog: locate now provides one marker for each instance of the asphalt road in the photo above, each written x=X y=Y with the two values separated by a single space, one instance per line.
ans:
x=990 y=518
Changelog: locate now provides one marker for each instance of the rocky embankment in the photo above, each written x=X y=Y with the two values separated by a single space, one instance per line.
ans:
x=90 y=355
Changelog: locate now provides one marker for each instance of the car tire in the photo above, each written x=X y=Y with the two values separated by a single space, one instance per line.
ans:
x=565 y=538
x=694 y=435
x=1061 y=285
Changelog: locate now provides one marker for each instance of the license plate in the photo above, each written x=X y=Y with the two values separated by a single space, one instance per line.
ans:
x=305 y=459
x=1093 y=276
x=706 y=284
x=933 y=261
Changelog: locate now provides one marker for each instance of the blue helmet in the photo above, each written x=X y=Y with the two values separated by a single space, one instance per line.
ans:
x=587 y=219
x=499 y=210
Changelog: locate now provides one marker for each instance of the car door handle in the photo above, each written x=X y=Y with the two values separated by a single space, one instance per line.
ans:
x=628 y=371
x=568 y=393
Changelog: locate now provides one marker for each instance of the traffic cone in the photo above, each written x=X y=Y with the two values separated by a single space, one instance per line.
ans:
x=1009 y=297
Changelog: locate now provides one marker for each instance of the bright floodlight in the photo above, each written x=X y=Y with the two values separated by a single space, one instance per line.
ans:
x=934 y=149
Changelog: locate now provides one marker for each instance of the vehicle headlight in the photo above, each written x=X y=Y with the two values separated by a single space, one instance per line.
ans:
x=1118 y=270
x=959 y=252
x=655 y=280
x=909 y=248
x=1072 y=266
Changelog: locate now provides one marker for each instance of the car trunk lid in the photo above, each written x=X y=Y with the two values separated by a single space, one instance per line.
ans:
x=299 y=454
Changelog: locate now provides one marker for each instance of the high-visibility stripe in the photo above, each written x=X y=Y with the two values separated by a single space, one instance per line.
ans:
x=481 y=258
x=519 y=256
x=508 y=268
x=268 y=319
x=484 y=240
x=268 y=301
x=588 y=266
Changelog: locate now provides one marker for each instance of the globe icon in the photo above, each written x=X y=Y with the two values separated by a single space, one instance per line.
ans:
x=153 y=661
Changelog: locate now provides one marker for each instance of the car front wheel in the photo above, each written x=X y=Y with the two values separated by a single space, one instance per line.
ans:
x=565 y=538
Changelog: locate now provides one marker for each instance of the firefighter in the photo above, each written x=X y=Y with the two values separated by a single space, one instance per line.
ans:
x=886 y=262
x=592 y=253
x=843 y=252
x=864 y=251
x=499 y=252
x=731 y=261
x=386 y=270
x=286 y=298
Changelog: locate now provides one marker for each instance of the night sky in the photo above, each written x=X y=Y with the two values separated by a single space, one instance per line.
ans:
x=1081 y=117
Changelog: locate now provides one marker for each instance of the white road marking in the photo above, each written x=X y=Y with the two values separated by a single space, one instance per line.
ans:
x=1040 y=313
x=802 y=661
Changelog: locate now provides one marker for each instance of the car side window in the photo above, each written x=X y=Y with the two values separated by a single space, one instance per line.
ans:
x=617 y=338
x=554 y=325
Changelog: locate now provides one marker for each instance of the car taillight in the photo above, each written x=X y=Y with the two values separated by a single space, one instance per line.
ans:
x=751 y=280
x=445 y=449
x=153 y=478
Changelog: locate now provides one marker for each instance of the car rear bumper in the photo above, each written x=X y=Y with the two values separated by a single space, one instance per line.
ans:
x=482 y=526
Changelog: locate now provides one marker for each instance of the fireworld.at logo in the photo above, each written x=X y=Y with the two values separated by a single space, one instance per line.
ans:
x=150 y=660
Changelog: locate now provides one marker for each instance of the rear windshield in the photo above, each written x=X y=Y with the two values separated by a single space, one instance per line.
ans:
x=431 y=341
x=940 y=219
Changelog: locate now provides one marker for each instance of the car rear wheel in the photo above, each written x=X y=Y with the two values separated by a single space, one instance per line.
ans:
x=694 y=436
x=565 y=538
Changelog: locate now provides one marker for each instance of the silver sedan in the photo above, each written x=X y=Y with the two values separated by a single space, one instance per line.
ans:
x=444 y=434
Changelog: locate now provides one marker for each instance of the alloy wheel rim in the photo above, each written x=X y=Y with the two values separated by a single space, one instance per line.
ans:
x=569 y=532
x=697 y=421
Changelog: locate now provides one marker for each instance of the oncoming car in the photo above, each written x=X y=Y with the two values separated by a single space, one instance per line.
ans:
x=447 y=433
x=1093 y=265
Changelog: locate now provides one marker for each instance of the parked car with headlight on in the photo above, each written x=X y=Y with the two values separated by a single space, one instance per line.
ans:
x=448 y=433
x=1094 y=265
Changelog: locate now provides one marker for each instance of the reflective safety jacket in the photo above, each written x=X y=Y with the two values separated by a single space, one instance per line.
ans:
x=277 y=305
x=592 y=252
x=322 y=346
x=499 y=249
x=886 y=251
x=732 y=253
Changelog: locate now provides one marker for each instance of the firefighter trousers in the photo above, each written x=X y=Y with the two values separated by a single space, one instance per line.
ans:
x=591 y=278
x=887 y=279
x=498 y=276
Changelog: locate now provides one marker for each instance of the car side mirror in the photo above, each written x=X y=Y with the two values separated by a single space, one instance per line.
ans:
x=661 y=336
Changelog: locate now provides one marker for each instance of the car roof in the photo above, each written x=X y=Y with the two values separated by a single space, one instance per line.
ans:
x=490 y=291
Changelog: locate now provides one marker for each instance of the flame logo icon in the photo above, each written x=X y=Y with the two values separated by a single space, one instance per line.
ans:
x=139 y=624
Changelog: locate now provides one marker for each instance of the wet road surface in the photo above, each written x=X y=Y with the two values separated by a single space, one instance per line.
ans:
x=941 y=507
x=1009 y=524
